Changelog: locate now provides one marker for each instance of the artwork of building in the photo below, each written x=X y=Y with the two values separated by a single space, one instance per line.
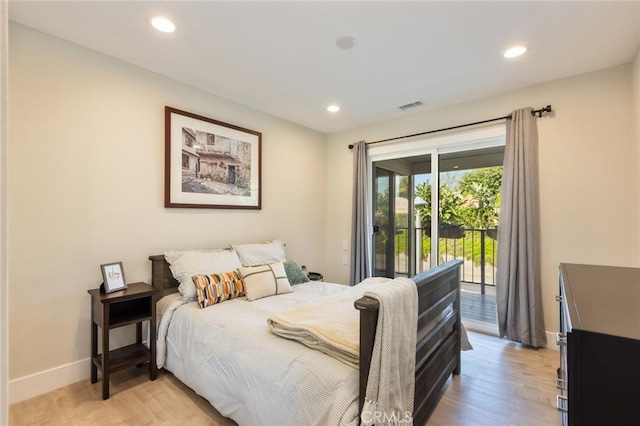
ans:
x=208 y=158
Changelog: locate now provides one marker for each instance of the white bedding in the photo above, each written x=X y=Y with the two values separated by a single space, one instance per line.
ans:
x=226 y=354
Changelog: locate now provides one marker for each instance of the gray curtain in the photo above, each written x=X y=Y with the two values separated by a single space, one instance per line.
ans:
x=519 y=296
x=359 y=230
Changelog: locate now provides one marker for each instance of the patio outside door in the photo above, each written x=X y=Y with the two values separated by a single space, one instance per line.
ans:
x=397 y=252
x=411 y=236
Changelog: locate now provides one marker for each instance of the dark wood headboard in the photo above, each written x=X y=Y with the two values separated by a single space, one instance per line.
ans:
x=161 y=276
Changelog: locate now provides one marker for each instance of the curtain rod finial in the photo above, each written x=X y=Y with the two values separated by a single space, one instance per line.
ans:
x=351 y=146
x=541 y=111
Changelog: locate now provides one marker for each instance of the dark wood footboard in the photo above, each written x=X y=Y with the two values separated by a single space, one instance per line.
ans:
x=437 y=347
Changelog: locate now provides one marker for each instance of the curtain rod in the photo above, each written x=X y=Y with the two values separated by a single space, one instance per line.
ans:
x=540 y=112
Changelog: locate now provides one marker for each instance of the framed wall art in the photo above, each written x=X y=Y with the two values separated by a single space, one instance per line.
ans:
x=210 y=164
x=113 y=276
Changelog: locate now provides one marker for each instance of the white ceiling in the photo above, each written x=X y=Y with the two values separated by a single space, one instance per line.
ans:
x=281 y=57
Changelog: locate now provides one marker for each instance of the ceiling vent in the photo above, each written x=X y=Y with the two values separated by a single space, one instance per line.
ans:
x=411 y=105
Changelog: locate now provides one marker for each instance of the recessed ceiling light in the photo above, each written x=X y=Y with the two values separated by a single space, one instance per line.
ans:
x=333 y=108
x=163 y=24
x=514 y=52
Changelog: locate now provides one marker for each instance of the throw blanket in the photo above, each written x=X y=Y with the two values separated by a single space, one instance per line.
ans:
x=330 y=324
x=391 y=384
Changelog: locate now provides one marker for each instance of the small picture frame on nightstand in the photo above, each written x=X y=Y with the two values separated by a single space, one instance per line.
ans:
x=113 y=276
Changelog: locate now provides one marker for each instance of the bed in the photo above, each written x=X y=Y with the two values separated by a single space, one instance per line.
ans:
x=258 y=374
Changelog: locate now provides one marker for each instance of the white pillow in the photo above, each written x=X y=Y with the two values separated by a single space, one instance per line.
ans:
x=265 y=280
x=185 y=264
x=261 y=254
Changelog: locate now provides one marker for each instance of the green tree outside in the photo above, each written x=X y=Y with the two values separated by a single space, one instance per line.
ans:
x=470 y=201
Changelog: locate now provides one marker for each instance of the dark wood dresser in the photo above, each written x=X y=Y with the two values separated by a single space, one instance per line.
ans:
x=599 y=338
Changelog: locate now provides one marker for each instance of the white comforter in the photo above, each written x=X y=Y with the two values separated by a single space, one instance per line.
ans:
x=227 y=355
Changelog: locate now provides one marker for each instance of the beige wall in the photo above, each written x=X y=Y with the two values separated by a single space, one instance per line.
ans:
x=636 y=109
x=589 y=184
x=86 y=160
x=4 y=305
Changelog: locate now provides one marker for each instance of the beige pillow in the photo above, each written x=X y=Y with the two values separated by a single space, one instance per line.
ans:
x=185 y=264
x=260 y=254
x=265 y=280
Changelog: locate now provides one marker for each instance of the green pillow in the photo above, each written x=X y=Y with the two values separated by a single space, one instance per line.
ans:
x=294 y=273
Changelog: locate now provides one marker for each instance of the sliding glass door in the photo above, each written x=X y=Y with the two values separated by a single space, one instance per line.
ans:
x=398 y=248
x=428 y=212
x=437 y=207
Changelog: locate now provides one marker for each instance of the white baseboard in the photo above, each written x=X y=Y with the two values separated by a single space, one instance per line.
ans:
x=551 y=341
x=45 y=381
x=480 y=327
x=492 y=329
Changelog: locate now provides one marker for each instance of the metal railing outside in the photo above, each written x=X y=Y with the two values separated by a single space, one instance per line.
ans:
x=477 y=251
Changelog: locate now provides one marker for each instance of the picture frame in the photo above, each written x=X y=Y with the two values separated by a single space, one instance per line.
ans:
x=113 y=276
x=210 y=164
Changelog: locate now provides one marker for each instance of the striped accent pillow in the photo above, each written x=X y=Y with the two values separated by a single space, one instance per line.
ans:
x=265 y=280
x=216 y=288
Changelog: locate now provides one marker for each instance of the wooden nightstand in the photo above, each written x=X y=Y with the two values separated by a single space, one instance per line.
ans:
x=133 y=305
x=315 y=276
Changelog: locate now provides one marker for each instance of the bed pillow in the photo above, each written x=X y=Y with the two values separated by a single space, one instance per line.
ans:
x=295 y=274
x=265 y=280
x=216 y=288
x=260 y=254
x=185 y=264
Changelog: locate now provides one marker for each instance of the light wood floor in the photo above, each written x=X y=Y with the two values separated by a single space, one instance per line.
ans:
x=501 y=383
